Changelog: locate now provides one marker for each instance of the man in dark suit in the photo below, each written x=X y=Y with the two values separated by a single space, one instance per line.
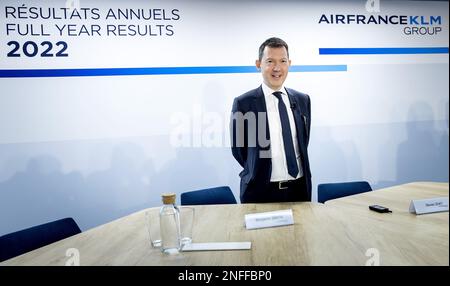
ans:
x=270 y=128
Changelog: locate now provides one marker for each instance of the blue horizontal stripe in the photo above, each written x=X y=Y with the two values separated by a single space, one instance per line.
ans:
x=382 y=51
x=157 y=71
x=318 y=68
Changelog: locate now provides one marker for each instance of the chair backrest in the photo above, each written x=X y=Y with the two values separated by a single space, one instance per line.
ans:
x=331 y=191
x=22 y=241
x=212 y=196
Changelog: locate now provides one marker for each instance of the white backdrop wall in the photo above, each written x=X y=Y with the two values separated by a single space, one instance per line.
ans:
x=98 y=147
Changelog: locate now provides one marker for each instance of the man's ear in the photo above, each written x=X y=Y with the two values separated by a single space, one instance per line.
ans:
x=258 y=64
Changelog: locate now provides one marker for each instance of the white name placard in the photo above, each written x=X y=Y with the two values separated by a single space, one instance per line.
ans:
x=269 y=219
x=209 y=246
x=426 y=206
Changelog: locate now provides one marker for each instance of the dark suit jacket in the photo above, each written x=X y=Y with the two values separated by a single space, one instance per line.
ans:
x=255 y=177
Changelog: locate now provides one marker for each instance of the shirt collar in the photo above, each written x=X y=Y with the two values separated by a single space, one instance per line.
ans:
x=268 y=91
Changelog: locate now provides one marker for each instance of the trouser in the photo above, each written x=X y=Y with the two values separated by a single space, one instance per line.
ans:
x=288 y=191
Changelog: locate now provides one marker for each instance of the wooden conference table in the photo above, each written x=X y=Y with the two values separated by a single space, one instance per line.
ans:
x=340 y=232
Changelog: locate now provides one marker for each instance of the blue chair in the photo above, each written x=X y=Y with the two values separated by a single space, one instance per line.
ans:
x=331 y=191
x=212 y=196
x=22 y=241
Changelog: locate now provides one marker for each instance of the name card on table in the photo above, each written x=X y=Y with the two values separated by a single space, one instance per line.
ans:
x=269 y=219
x=426 y=206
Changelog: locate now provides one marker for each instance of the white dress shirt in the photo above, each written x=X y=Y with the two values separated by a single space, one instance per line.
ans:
x=279 y=165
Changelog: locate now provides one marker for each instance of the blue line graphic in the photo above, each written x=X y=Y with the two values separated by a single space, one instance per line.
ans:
x=382 y=51
x=11 y=73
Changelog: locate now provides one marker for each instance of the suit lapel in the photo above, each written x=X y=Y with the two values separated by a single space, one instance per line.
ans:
x=298 y=113
x=260 y=106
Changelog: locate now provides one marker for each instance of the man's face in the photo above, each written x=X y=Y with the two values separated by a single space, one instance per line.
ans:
x=274 y=66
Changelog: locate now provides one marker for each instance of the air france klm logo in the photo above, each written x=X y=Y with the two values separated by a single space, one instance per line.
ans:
x=414 y=25
x=381 y=19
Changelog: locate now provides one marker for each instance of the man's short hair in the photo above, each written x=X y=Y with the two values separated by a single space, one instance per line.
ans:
x=272 y=43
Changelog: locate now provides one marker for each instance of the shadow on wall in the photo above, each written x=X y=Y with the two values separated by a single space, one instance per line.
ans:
x=121 y=189
x=328 y=161
x=44 y=192
x=423 y=156
x=40 y=193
